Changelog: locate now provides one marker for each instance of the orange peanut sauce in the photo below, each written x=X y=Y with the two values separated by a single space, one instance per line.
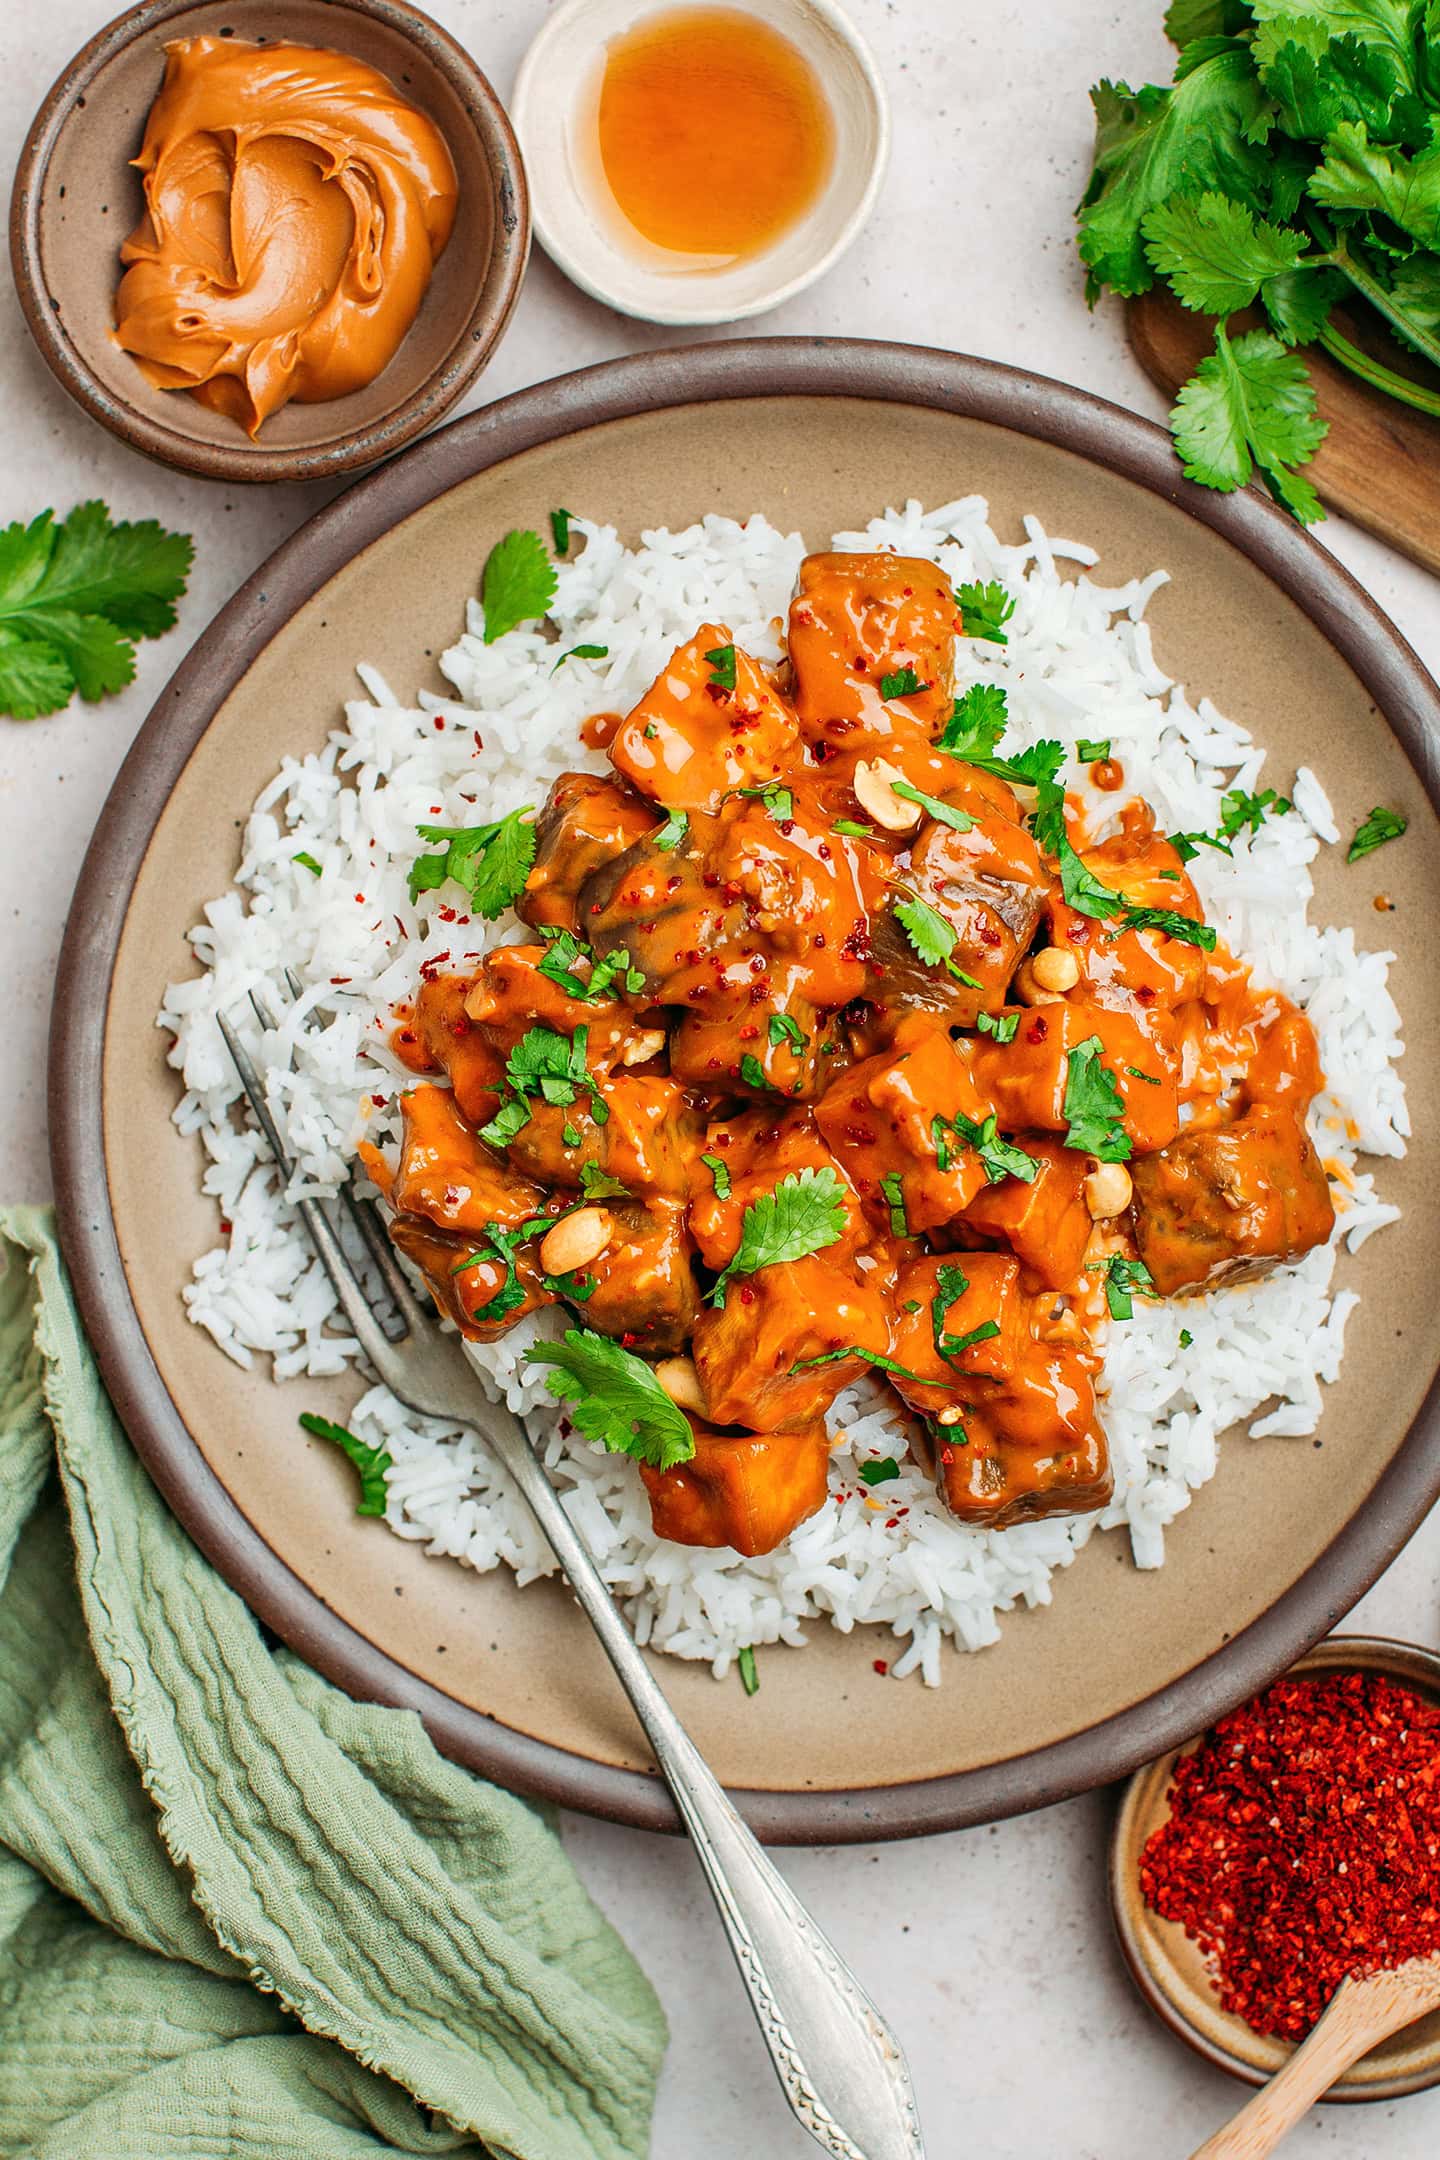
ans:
x=295 y=207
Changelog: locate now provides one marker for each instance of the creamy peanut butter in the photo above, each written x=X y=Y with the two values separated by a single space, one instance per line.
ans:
x=296 y=205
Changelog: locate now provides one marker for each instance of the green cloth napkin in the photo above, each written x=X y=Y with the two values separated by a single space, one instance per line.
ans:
x=241 y=1915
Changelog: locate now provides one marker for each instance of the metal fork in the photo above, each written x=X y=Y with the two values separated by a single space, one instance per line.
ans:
x=842 y=2070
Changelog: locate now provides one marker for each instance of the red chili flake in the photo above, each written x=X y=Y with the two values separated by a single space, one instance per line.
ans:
x=881 y=1667
x=406 y=1035
x=823 y=850
x=1303 y=1844
x=379 y=1101
x=748 y=1034
x=400 y=927
x=226 y=1226
x=989 y=935
x=1037 y=1030
x=757 y=963
x=338 y=982
x=359 y=899
x=439 y=720
x=1146 y=993
x=947 y=1454
x=446 y=914
x=629 y=1339
x=747 y=1295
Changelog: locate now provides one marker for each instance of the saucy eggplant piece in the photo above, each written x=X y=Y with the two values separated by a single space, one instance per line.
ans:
x=809 y=1076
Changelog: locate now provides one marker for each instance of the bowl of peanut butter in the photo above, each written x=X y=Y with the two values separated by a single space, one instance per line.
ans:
x=272 y=240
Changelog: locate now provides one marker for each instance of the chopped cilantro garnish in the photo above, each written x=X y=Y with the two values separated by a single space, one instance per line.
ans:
x=778 y=800
x=985 y=610
x=1186 y=1338
x=1001 y=1025
x=880 y=1471
x=560 y=530
x=553 y=1066
x=1380 y=826
x=931 y=935
x=570 y=1135
x=508 y=1120
x=804 y=1214
x=951 y=1284
x=720 y=1171
x=752 y=1072
x=1150 y=1079
x=597 y=1184
x=977 y=722
x=518 y=583
x=1094 y=1105
x=893 y=1189
x=490 y=862
x=499 y=1249
x=1123 y=1276
x=876 y=1358
x=1092 y=753
x=582 y=652
x=902 y=682
x=745 y=1665
x=307 y=862
x=722 y=667
x=672 y=832
x=614 y=1397
x=783 y=1030
x=944 y=813
x=371 y=1462
x=852 y=829
x=1173 y=924
x=999 y=1158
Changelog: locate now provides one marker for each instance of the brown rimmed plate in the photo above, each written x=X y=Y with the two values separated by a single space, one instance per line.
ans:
x=817 y=433
x=1169 y=1970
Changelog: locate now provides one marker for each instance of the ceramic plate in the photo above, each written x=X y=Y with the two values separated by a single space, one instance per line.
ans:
x=817 y=434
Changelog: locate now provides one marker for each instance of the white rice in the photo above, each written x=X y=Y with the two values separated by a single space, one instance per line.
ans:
x=1078 y=663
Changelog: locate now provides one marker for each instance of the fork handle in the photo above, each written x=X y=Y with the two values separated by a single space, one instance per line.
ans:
x=843 y=2072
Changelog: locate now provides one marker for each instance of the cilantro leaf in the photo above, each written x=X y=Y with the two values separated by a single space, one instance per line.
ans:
x=371 y=1462
x=1123 y=1276
x=851 y=829
x=1357 y=174
x=932 y=937
x=1380 y=826
x=669 y=835
x=985 y=610
x=508 y=1120
x=999 y=1158
x=880 y=1362
x=1186 y=20
x=614 y=1397
x=880 y=1471
x=560 y=530
x=74 y=597
x=1094 y=1105
x=752 y=1072
x=902 y=682
x=1001 y=1025
x=1216 y=253
x=778 y=801
x=1184 y=928
x=1092 y=753
x=745 y=1666
x=597 y=1184
x=943 y=813
x=951 y=1284
x=553 y=1066
x=1250 y=404
x=500 y=1247
x=893 y=1189
x=1207 y=133
x=307 y=862
x=720 y=1171
x=582 y=652
x=804 y=1214
x=518 y=583
x=783 y=1029
x=722 y=667
x=491 y=862
x=1240 y=812
x=977 y=722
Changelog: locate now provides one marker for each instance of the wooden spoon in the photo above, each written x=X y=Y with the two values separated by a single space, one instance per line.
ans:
x=1360 y=2014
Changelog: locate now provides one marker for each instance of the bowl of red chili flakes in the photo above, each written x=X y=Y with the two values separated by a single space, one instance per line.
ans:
x=1295 y=1842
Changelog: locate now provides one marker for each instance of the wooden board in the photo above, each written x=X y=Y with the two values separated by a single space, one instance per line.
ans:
x=1380 y=462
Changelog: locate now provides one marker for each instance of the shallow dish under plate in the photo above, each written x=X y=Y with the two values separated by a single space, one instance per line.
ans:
x=817 y=434
x=1168 y=1969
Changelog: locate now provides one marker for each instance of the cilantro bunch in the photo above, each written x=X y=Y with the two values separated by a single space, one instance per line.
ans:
x=74 y=599
x=1293 y=163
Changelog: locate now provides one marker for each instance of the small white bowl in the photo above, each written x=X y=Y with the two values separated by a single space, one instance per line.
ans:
x=577 y=222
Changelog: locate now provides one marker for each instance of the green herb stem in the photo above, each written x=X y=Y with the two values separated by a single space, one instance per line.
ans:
x=1378 y=376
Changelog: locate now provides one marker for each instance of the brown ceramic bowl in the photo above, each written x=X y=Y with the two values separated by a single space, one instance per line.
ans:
x=76 y=197
x=1169 y=1970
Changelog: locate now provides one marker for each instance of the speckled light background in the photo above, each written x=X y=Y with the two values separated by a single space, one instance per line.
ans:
x=990 y=1950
